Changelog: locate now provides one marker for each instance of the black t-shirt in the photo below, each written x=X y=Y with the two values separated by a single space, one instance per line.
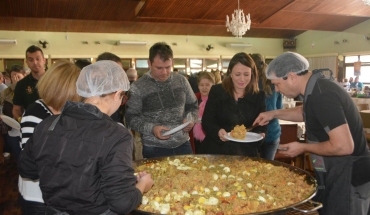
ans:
x=330 y=106
x=25 y=92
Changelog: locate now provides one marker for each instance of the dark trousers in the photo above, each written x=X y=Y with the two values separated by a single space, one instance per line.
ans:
x=32 y=208
x=154 y=152
x=13 y=144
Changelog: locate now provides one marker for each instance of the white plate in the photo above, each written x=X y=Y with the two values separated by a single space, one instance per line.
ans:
x=250 y=137
x=174 y=130
x=10 y=122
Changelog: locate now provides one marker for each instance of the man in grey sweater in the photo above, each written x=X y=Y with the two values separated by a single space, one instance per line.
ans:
x=160 y=101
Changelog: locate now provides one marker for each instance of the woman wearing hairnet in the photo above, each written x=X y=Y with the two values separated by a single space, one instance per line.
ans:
x=82 y=157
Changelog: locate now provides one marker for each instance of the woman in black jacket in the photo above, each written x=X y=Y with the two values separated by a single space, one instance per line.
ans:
x=236 y=101
x=82 y=157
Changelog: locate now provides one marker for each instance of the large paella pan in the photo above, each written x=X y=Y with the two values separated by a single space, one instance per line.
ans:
x=219 y=184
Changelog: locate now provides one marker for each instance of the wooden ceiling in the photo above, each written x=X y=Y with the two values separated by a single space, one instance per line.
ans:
x=270 y=18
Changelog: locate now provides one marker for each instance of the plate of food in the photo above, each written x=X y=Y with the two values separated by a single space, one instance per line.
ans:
x=241 y=134
x=174 y=130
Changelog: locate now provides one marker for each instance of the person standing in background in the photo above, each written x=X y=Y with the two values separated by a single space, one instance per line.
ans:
x=25 y=92
x=56 y=87
x=217 y=75
x=3 y=86
x=116 y=116
x=273 y=101
x=12 y=138
x=205 y=81
x=4 y=151
x=159 y=101
x=132 y=75
x=358 y=85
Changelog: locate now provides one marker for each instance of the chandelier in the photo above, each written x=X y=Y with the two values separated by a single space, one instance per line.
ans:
x=367 y=2
x=238 y=26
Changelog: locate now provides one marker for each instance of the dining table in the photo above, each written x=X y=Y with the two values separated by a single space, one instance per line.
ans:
x=301 y=128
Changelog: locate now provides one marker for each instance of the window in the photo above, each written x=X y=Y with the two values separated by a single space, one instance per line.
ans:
x=225 y=65
x=351 y=59
x=180 y=64
x=196 y=65
x=8 y=63
x=142 y=66
x=126 y=63
x=211 y=64
x=365 y=67
x=66 y=59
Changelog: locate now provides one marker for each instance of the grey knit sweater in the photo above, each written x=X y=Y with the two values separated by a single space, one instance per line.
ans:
x=165 y=103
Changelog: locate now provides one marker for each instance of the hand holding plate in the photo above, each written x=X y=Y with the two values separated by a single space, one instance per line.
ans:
x=157 y=131
x=188 y=127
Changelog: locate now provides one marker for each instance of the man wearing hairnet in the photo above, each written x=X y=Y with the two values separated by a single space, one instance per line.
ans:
x=336 y=141
x=161 y=101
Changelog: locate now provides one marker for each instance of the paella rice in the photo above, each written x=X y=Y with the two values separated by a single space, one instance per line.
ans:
x=194 y=185
x=239 y=132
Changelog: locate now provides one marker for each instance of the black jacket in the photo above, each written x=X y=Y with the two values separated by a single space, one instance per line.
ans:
x=84 y=161
x=222 y=111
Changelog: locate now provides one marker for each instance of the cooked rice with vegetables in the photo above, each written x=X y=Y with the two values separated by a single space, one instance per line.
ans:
x=193 y=185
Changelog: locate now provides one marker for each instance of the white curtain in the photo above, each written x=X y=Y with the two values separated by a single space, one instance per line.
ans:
x=329 y=62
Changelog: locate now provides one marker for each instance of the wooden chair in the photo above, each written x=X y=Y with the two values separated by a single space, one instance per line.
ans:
x=298 y=103
x=289 y=133
x=366 y=123
x=362 y=106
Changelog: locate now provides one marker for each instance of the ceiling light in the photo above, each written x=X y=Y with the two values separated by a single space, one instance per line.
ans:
x=6 y=41
x=238 y=45
x=135 y=43
x=238 y=26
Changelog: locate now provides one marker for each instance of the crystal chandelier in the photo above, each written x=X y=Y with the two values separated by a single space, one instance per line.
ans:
x=367 y=2
x=238 y=26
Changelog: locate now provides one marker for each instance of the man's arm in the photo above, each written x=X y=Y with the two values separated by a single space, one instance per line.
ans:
x=292 y=114
x=340 y=143
x=17 y=112
x=134 y=116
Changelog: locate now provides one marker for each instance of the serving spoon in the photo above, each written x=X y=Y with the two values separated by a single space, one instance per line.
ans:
x=250 y=128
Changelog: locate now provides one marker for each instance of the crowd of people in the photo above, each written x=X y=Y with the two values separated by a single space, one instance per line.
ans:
x=75 y=149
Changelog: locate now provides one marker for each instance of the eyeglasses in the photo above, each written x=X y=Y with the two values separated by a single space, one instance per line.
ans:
x=124 y=98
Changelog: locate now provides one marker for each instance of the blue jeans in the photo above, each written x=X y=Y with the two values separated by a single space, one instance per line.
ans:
x=268 y=149
x=154 y=152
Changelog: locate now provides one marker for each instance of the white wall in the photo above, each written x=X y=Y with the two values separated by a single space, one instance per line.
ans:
x=324 y=41
x=70 y=44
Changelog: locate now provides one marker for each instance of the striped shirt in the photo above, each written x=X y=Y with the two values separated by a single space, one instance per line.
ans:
x=34 y=114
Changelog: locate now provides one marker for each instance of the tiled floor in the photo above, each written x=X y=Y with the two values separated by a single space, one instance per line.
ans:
x=9 y=188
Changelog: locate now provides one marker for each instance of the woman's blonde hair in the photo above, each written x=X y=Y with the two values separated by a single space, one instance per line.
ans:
x=206 y=75
x=217 y=75
x=58 y=84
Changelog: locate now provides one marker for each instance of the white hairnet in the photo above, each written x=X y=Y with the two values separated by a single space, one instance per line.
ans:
x=285 y=63
x=102 y=77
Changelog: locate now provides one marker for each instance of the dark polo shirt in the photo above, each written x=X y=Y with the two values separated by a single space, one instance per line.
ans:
x=25 y=92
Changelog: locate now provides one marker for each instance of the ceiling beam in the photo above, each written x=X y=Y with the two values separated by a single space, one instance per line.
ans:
x=139 y=7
